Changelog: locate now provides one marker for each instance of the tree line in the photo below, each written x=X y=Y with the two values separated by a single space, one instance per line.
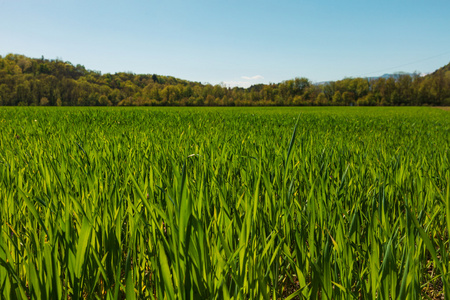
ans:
x=29 y=81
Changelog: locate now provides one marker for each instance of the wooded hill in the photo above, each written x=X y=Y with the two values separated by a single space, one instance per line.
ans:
x=31 y=81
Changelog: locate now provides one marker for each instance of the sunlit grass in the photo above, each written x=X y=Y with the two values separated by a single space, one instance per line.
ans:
x=221 y=203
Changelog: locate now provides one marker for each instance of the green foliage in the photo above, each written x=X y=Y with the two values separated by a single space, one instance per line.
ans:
x=25 y=81
x=224 y=203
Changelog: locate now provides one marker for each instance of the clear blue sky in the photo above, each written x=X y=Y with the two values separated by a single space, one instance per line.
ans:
x=236 y=42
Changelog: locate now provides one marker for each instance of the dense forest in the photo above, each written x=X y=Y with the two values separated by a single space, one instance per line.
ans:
x=29 y=81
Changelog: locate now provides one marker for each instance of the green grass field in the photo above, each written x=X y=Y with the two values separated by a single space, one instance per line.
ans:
x=224 y=203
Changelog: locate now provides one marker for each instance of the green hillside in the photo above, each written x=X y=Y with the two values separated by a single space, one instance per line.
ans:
x=32 y=81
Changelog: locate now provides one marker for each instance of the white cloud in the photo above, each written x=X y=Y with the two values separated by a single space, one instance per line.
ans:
x=256 y=77
x=244 y=84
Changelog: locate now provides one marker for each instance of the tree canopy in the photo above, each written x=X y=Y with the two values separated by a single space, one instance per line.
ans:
x=30 y=81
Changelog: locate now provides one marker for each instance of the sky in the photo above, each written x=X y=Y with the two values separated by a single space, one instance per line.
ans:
x=236 y=43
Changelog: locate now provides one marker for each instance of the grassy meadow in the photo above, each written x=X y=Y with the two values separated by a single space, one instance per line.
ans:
x=224 y=203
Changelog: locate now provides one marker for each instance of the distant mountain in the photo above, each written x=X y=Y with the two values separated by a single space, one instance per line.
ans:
x=393 y=75
x=386 y=76
x=397 y=75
